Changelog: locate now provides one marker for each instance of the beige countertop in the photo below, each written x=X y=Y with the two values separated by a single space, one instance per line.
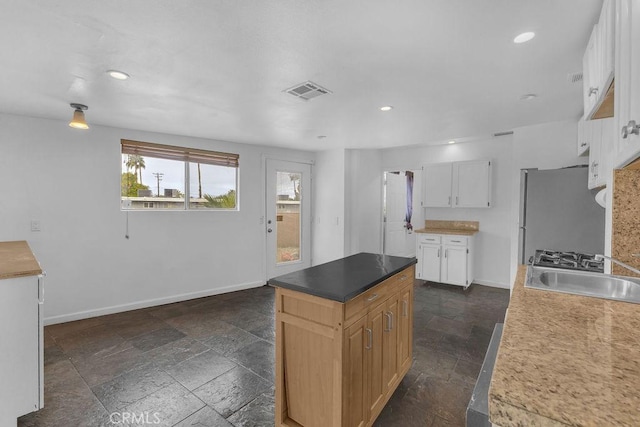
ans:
x=566 y=360
x=461 y=228
x=458 y=232
x=17 y=260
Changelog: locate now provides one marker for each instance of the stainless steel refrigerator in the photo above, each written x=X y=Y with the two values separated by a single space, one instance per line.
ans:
x=559 y=212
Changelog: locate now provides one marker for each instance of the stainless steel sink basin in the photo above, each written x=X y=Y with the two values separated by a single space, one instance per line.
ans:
x=584 y=283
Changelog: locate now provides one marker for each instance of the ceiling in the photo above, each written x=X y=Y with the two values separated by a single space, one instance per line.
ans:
x=217 y=69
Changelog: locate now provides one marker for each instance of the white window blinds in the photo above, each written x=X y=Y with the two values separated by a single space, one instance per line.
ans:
x=172 y=152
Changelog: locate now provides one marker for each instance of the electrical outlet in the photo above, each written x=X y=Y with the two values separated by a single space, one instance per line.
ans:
x=35 y=225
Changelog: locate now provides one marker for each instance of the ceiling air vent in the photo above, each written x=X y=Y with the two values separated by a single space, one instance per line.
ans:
x=574 y=77
x=307 y=90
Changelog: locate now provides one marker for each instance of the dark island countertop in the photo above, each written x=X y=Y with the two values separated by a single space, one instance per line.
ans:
x=345 y=278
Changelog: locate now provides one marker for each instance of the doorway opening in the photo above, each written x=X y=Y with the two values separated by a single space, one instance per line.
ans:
x=401 y=211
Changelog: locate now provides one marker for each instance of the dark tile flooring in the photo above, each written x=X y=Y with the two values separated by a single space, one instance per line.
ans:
x=210 y=362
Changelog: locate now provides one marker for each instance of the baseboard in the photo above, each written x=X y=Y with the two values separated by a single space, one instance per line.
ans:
x=147 y=303
x=492 y=284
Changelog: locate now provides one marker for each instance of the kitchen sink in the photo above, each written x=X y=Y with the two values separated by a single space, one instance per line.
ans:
x=620 y=288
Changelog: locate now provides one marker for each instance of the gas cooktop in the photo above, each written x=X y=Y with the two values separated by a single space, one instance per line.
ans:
x=567 y=260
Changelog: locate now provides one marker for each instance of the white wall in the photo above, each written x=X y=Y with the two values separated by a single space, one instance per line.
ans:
x=493 y=242
x=328 y=229
x=363 y=201
x=70 y=181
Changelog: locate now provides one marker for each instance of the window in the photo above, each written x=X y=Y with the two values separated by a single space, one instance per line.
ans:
x=158 y=177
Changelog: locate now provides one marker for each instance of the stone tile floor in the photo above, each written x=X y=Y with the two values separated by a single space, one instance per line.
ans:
x=210 y=362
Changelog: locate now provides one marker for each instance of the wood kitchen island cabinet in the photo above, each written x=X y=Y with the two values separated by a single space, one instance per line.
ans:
x=343 y=339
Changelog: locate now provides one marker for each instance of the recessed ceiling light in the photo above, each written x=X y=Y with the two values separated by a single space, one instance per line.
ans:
x=528 y=96
x=451 y=142
x=118 y=75
x=524 y=37
x=386 y=108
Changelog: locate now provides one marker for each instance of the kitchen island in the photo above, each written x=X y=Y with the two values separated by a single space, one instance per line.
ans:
x=566 y=360
x=343 y=339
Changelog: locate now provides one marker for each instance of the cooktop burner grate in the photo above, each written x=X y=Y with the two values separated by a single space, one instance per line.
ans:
x=568 y=260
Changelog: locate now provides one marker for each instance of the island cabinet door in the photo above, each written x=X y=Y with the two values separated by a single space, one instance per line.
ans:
x=375 y=360
x=405 y=326
x=358 y=341
x=390 y=342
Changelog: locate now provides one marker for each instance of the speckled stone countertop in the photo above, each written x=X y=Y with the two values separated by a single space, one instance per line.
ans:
x=464 y=228
x=17 y=260
x=566 y=360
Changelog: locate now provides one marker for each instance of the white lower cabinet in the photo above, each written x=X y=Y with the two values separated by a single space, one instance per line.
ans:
x=21 y=348
x=445 y=258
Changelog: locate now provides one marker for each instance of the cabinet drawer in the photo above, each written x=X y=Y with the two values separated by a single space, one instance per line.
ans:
x=378 y=294
x=456 y=240
x=360 y=304
x=403 y=278
x=430 y=239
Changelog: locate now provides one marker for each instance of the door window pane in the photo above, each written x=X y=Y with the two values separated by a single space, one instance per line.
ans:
x=288 y=196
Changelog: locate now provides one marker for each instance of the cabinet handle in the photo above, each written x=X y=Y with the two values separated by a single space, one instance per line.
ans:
x=438 y=252
x=370 y=336
x=405 y=308
x=403 y=277
x=449 y=202
x=456 y=200
x=584 y=144
x=630 y=129
x=456 y=241
x=41 y=288
x=593 y=91
x=389 y=316
x=372 y=297
x=446 y=252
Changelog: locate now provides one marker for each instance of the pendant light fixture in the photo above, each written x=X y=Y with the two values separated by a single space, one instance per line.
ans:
x=78 y=121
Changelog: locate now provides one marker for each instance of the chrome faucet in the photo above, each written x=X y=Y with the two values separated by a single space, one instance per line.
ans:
x=620 y=263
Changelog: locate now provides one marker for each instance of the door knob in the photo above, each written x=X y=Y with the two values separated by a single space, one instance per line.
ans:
x=269 y=230
x=631 y=129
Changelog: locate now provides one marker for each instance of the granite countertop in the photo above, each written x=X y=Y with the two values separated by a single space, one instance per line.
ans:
x=345 y=278
x=461 y=228
x=447 y=231
x=17 y=260
x=566 y=360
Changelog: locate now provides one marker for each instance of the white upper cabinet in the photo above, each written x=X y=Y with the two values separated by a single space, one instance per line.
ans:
x=437 y=185
x=598 y=60
x=602 y=134
x=472 y=184
x=458 y=184
x=584 y=136
x=627 y=99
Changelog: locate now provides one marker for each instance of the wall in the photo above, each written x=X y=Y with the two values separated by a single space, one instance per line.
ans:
x=328 y=229
x=493 y=241
x=363 y=201
x=70 y=181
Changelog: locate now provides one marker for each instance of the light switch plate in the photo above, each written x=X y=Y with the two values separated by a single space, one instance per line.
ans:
x=35 y=225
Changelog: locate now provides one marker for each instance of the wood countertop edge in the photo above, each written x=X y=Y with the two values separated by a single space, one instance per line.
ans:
x=17 y=260
x=21 y=274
